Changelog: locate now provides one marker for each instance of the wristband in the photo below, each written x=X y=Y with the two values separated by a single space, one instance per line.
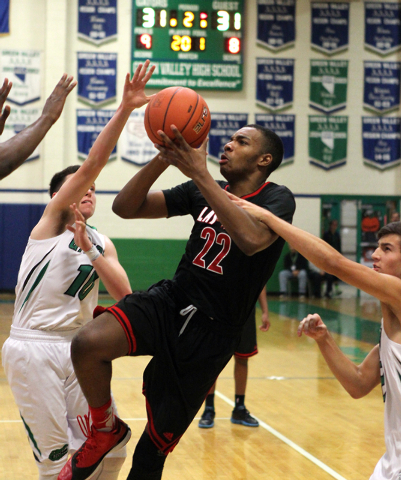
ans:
x=93 y=253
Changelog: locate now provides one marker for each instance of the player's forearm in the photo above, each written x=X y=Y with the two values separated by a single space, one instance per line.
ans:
x=263 y=302
x=346 y=372
x=242 y=227
x=18 y=148
x=311 y=247
x=105 y=142
x=113 y=276
x=130 y=200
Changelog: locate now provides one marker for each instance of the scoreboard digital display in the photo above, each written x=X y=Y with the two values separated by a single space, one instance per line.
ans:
x=195 y=44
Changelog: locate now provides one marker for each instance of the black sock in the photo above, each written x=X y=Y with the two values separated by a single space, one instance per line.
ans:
x=209 y=402
x=239 y=401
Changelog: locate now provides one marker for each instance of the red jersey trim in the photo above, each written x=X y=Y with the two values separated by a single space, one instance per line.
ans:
x=254 y=193
x=126 y=325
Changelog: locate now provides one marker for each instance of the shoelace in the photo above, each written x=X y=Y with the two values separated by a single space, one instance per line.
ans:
x=90 y=443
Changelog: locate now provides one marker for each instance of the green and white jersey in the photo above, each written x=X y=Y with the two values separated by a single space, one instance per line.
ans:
x=57 y=285
x=389 y=466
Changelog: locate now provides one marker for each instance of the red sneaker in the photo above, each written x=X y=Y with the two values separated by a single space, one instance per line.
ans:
x=86 y=461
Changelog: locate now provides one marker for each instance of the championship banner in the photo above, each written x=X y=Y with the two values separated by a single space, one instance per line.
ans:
x=134 y=143
x=22 y=68
x=4 y=17
x=383 y=27
x=328 y=85
x=97 y=21
x=274 y=83
x=19 y=119
x=328 y=141
x=381 y=138
x=330 y=27
x=89 y=124
x=222 y=128
x=284 y=126
x=97 y=77
x=276 y=24
x=381 y=92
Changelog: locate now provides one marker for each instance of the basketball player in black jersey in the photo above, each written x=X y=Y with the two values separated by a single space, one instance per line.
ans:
x=190 y=325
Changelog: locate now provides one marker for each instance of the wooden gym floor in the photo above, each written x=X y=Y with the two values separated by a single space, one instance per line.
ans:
x=309 y=427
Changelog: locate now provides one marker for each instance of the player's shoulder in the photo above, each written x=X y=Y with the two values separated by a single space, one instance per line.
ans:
x=273 y=190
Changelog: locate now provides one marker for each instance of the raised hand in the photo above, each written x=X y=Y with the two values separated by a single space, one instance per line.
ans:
x=55 y=103
x=190 y=161
x=4 y=91
x=134 y=89
x=81 y=238
x=312 y=326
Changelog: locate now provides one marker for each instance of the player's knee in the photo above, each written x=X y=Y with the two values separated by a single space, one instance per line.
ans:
x=83 y=344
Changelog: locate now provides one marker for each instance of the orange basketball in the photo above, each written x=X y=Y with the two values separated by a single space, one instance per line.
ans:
x=182 y=107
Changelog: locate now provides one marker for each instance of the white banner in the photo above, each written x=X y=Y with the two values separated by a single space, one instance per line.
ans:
x=135 y=145
x=22 y=68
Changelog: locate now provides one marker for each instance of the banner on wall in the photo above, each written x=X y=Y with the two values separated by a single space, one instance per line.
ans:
x=330 y=26
x=97 y=21
x=276 y=24
x=23 y=69
x=328 y=141
x=328 y=85
x=89 y=124
x=222 y=128
x=135 y=145
x=381 y=86
x=97 y=77
x=20 y=118
x=381 y=139
x=382 y=27
x=275 y=83
x=4 y=17
x=284 y=126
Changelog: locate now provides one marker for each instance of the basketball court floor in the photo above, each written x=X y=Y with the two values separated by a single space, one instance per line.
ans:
x=309 y=426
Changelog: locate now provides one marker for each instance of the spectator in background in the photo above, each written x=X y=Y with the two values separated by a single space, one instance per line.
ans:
x=295 y=266
x=332 y=237
x=395 y=217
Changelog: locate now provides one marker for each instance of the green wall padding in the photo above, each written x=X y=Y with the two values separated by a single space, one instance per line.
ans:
x=148 y=261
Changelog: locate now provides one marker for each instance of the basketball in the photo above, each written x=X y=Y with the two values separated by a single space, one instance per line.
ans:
x=182 y=107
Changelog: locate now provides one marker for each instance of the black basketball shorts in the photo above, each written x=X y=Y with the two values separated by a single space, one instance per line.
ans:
x=248 y=346
x=187 y=357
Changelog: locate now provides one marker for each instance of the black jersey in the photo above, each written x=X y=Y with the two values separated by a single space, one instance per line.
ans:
x=214 y=274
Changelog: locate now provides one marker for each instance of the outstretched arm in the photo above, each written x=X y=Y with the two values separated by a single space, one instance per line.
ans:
x=78 y=184
x=17 y=149
x=387 y=288
x=107 y=266
x=249 y=235
x=358 y=380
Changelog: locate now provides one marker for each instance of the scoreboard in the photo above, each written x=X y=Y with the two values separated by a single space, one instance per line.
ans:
x=195 y=43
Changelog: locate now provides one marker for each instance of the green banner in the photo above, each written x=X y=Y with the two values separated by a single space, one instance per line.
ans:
x=328 y=141
x=328 y=85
